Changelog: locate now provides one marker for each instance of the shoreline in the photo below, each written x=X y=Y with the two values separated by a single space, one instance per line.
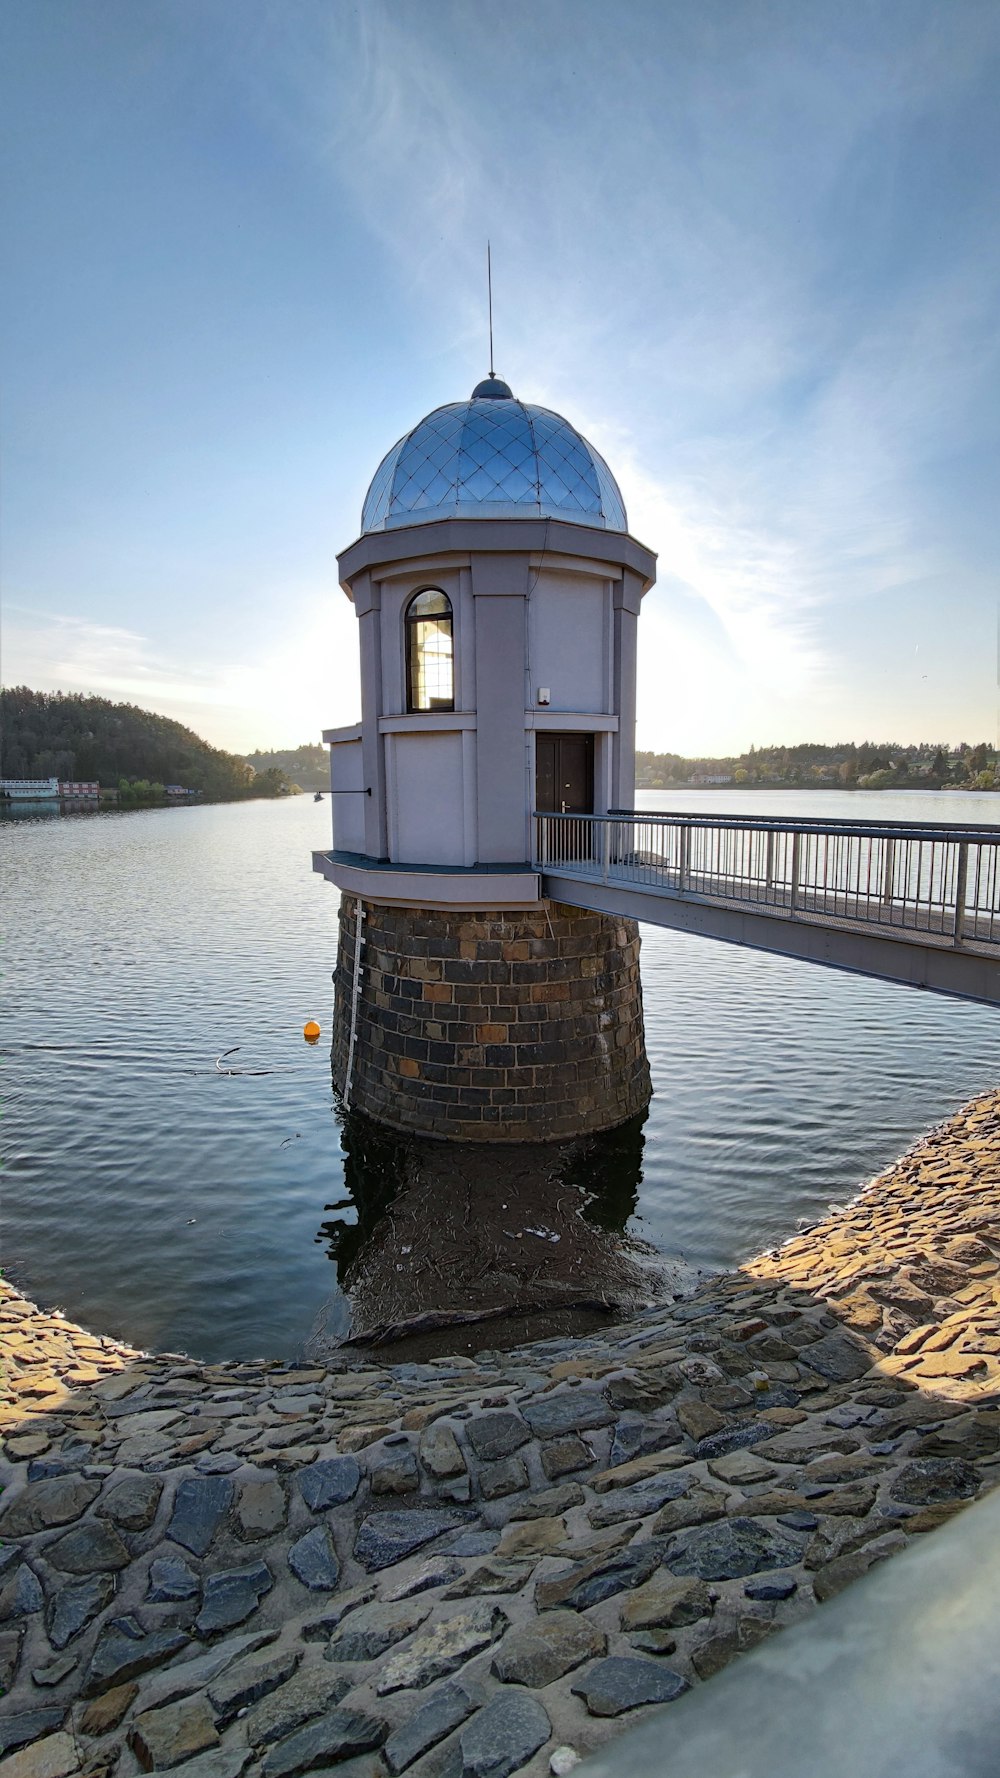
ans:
x=260 y=1567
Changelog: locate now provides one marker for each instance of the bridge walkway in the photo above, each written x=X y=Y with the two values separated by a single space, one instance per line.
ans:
x=901 y=901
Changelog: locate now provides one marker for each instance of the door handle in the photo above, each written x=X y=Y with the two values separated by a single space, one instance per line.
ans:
x=563 y=807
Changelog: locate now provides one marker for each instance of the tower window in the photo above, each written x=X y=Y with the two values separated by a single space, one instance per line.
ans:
x=430 y=652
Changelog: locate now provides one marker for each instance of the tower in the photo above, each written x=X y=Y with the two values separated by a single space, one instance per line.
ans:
x=497 y=592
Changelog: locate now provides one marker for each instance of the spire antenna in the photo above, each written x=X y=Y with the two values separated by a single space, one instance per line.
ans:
x=489 y=290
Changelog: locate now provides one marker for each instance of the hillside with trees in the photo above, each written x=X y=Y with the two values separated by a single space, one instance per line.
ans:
x=848 y=765
x=66 y=735
x=307 y=766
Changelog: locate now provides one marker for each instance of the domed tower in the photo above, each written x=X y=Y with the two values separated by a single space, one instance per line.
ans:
x=497 y=592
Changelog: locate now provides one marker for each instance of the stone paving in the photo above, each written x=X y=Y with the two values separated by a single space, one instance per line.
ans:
x=474 y=1567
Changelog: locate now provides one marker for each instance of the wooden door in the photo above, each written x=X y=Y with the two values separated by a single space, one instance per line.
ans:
x=564 y=774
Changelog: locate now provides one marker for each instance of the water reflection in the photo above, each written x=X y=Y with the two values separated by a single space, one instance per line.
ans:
x=438 y=1237
x=48 y=808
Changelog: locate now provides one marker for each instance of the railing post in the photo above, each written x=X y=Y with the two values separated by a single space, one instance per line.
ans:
x=606 y=848
x=794 y=894
x=542 y=840
x=961 y=890
x=888 y=873
x=684 y=865
x=769 y=864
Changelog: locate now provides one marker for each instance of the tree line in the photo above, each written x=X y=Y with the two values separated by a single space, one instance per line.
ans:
x=863 y=765
x=307 y=766
x=135 y=752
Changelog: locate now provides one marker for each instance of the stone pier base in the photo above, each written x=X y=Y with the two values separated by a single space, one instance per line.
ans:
x=521 y=1026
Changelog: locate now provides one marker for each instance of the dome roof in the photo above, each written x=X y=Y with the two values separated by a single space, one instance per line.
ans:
x=492 y=457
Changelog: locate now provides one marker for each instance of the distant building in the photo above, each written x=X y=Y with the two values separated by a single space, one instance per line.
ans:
x=178 y=790
x=712 y=778
x=79 y=787
x=30 y=789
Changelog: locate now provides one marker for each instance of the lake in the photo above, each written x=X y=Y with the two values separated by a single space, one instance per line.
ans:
x=161 y=1190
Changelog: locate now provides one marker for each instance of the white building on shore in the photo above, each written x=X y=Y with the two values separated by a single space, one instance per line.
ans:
x=30 y=789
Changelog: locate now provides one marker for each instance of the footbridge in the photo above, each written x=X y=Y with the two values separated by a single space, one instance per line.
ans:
x=909 y=903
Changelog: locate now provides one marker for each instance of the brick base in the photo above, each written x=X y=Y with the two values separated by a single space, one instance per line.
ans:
x=492 y=1027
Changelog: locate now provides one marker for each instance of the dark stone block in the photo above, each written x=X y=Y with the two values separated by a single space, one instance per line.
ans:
x=502 y=1738
x=25 y=1726
x=230 y=1597
x=338 y=1735
x=622 y=1683
x=497 y=1434
x=200 y=1505
x=330 y=1482
x=728 y=1549
x=386 y=1538
x=428 y=1724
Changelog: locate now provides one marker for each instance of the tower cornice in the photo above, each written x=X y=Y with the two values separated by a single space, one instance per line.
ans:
x=464 y=537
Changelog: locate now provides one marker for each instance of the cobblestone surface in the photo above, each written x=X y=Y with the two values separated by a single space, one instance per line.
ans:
x=248 y=1570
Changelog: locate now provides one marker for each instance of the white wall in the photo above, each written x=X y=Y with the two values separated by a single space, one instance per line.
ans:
x=568 y=632
x=425 y=784
x=347 y=773
x=396 y=594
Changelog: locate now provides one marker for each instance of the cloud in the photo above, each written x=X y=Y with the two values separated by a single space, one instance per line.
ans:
x=290 y=693
x=751 y=252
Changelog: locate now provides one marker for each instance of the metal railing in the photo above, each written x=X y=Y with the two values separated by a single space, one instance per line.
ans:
x=936 y=883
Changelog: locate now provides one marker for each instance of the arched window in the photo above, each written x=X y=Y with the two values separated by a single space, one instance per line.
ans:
x=430 y=652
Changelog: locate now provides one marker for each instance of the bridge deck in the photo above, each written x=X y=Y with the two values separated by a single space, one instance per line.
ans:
x=906 y=903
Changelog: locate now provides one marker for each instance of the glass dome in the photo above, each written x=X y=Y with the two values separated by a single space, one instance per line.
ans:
x=492 y=457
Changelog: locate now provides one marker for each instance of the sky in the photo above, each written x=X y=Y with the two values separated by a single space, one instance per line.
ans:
x=750 y=248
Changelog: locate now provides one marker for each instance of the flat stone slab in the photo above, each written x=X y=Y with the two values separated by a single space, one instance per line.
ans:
x=637 y=1501
x=313 y=1560
x=444 y=1710
x=386 y=1538
x=495 y=1435
x=92 y=1548
x=587 y=1583
x=57 y=1500
x=132 y=1503
x=442 y=1649
x=54 y=1757
x=621 y=1683
x=118 y=1657
x=76 y=1605
x=166 y=1737
x=261 y=1509
x=329 y=1482
x=567 y=1410
x=500 y=1739
x=248 y=1682
x=730 y=1549
x=200 y=1505
x=171 y=1579
x=666 y=1601
x=184 y=1677
x=438 y=1571
x=325 y=1742
x=20 y=1728
x=440 y=1452
x=837 y=1357
x=538 y=1653
x=372 y=1629
x=311 y=1692
x=230 y=1597
x=930 y=1479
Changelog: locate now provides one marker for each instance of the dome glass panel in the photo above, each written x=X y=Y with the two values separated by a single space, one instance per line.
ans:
x=493 y=457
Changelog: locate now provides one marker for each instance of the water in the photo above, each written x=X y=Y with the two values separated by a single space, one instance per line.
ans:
x=154 y=1197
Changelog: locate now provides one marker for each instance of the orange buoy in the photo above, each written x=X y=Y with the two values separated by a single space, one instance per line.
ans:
x=310 y=1031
